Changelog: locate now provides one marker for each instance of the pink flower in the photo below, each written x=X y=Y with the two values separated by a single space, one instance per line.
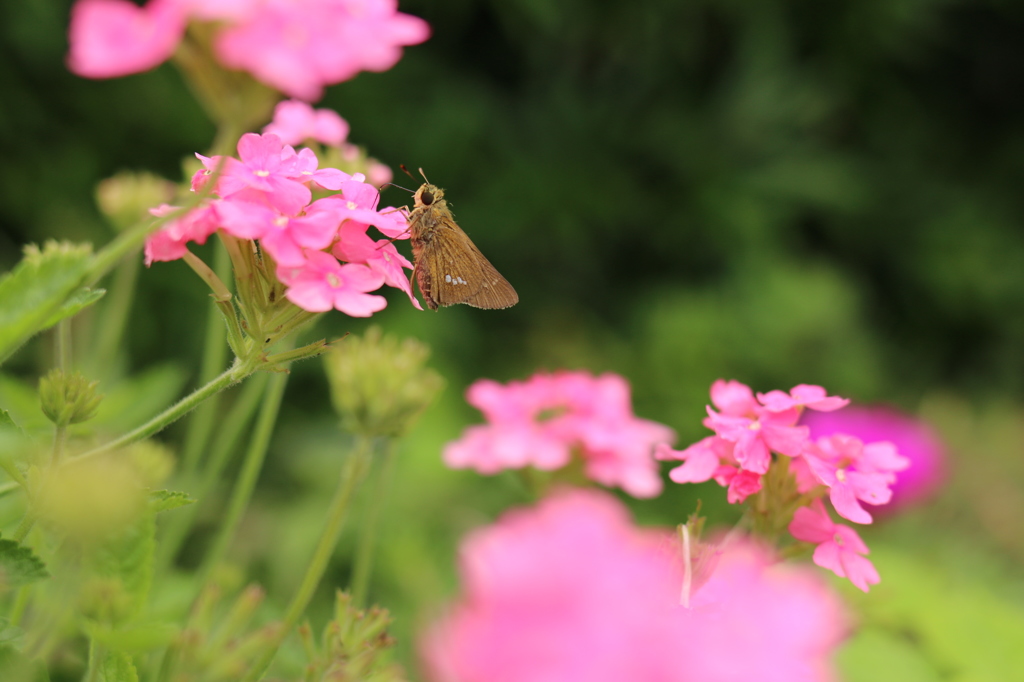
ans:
x=267 y=173
x=110 y=38
x=355 y=246
x=914 y=439
x=285 y=238
x=571 y=590
x=803 y=395
x=854 y=471
x=756 y=438
x=733 y=398
x=295 y=46
x=169 y=242
x=541 y=422
x=323 y=283
x=295 y=121
x=299 y=46
x=839 y=548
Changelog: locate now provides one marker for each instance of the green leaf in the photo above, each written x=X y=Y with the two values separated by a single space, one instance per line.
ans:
x=136 y=639
x=117 y=666
x=17 y=667
x=128 y=559
x=6 y=422
x=83 y=298
x=18 y=565
x=36 y=289
x=162 y=500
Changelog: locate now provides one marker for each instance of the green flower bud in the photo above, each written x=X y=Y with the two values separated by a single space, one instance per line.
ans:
x=379 y=385
x=126 y=198
x=68 y=399
x=356 y=646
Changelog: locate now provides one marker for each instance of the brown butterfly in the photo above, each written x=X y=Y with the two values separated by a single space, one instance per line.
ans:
x=449 y=268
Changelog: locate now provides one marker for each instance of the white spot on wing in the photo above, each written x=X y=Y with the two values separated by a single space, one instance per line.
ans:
x=448 y=278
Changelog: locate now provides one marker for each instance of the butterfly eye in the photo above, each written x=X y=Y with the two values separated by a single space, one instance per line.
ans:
x=426 y=197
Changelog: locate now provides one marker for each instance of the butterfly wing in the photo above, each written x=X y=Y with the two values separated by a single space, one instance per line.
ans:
x=459 y=273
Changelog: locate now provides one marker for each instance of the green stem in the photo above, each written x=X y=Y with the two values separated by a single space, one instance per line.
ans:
x=232 y=376
x=250 y=472
x=214 y=357
x=63 y=359
x=368 y=527
x=60 y=438
x=351 y=474
x=95 y=656
x=228 y=435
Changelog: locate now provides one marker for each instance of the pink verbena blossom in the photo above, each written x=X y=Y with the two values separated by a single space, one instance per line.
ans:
x=264 y=196
x=854 y=472
x=839 y=548
x=322 y=283
x=170 y=242
x=542 y=421
x=571 y=590
x=295 y=121
x=914 y=439
x=111 y=38
x=295 y=46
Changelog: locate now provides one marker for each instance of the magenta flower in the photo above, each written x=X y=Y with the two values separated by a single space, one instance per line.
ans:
x=294 y=46
x=111 y=38
x=733 y=398
x=169 y=242
x=854 y=472
x=914 y=439
x=295 y=122
x=355 y=246
x=571 y=590
x=323 y=283
x=839 y=548
x=544 y=420
x=756 y=438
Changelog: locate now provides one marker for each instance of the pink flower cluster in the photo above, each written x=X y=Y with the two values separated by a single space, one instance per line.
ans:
x=321 y=248
x=544 y=420
x=749 y=429
x=294 y=46
x=571 y=590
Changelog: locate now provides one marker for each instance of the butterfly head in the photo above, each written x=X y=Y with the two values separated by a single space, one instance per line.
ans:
x=427 y=194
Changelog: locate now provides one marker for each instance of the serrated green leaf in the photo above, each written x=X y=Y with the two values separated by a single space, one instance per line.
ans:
x=17 y=667
x=136 y=639
x=37 y=288
x=83 y=298
x=18 y=565
x=117 y=666
x=162 y=500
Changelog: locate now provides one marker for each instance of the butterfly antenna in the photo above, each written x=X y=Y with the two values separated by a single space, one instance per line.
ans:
x=406 y=171
x=391 y=184
x=424 y=175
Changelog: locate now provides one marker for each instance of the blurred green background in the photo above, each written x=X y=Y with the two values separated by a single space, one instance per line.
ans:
x=777 y=191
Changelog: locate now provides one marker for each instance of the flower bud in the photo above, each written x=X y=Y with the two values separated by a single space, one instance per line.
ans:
x=125 y=198
x=68 y=399
x=379 y=385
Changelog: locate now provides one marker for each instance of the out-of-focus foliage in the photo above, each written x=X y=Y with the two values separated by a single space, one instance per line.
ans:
x=778 y=191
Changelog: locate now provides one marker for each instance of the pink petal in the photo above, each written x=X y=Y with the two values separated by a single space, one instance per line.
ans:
x=812 y=524
x=846 y=505
x=111 y=38
x=859 y=570
x=733 y=398
x=358 y=304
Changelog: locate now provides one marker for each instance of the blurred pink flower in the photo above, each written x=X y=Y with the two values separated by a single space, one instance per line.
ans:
x=854 y=472
x=571 y=590
x=839 y=548
x=542 y=421
x=294 y=46
x=295 y=122
x=111 y=38
x=913 y=438
x=299 y=46
x=170 y=241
